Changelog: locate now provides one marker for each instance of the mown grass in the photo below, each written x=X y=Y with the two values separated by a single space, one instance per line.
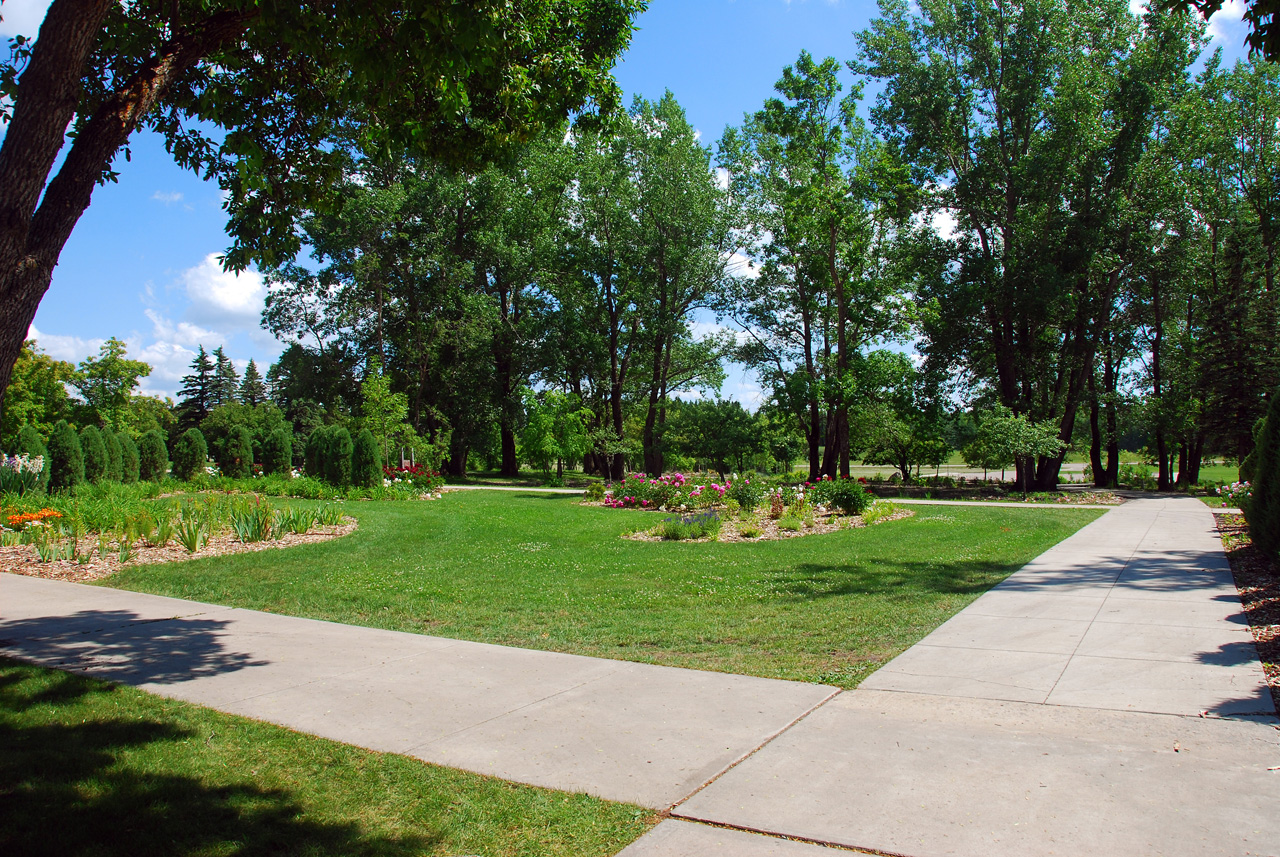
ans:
x=540 y=571
x=94 y=769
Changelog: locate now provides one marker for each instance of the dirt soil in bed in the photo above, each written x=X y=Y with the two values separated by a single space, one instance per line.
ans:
x=22 y=559
x=1258 y=581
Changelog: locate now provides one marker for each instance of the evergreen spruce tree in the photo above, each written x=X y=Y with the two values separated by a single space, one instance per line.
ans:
x=153 y=457
x=337 y=460
x=277 y=452
x=366 y=464
x=253 y=391
x=316 y=452
x=66 y=458
x=115 y=461
x=30 y=442
x=1263 y=509
x=226 y=381
x=95 y=454
x=130 y=461
x=189 y=455
x=196 y=395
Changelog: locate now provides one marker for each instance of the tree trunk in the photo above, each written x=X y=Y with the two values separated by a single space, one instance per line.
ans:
x=1095 y=436
x=31 y=238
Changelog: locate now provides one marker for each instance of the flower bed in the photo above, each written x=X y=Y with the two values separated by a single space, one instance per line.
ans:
x=764 y=527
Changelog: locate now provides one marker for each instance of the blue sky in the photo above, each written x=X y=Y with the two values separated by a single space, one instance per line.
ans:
x=142 y=262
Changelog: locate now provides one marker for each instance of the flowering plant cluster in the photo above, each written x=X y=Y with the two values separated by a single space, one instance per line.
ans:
x=412 y=474
x=18 y=522
x=1237 y=493
x=675 y=491
x=20 y=473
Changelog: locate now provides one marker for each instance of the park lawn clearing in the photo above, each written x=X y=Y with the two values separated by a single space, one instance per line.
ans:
x=542 y=571
x=95 y=768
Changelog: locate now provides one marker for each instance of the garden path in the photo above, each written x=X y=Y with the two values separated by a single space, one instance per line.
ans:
x=1106 y=698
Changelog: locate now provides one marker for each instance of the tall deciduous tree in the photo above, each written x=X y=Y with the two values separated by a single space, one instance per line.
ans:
x=1025 y=120
x=276 y=82
x=37 y=394
x=106 y=383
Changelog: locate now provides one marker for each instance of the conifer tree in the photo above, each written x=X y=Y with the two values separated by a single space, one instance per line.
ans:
x=197 y=391
x=130 y=460
x=30 y=442
x=115 y=462
x=253 y=391
x=366 y=463
x=95 y=454
x=189 y=454
x=66 y=458
x=226 y=381
x=153 y=457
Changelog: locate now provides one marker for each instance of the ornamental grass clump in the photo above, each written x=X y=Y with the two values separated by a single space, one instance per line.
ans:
x=705 y=525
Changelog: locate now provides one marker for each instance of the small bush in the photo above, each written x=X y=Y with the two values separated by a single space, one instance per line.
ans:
x=594 y=492
x=701 y=526
x=790 y=523
x=337 y=458
x=236 y=460
x=277 y=453
x=153 y=457
x=317 y=447
x=130 y=462
x=190 y=453
x=878 y=511
x=95 y=454
x=849 y=496
x=30 y=443
x=366 y=464
x=751 y=529
x=115 y=457
x=66 y=458
x=747 y=492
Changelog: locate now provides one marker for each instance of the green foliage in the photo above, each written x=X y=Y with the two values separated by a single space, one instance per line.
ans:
x=115 y=460
x=747 y=491
x=366 y=464
x=555 y=428
x=106 y=382
x=130 y=460
x=95 y=454
x=277 y=452
x=260 y=421
x=31 y=443
x=66 y=458
x=153 y=457
x=719 y=432
x=337 y=457
x=1263 y=509
x=594 y=492
x=190 y=453
x=704 y=525
x=848 y=495
x=384 y=412
x=317 y=449
x=1008 y=437
x=236 y=457
x=37 y=394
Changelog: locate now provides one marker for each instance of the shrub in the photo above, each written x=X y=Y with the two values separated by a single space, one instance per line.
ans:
x=129 y=459
x=95 y=454
x=594 y=492
x=153 y=457
x=317 y=448
x=190 y=453
x=66 y=458
x=748 y=492
x=366 y=465
x=1262 y=511
x=849 y=496
x=31 y=444
x=115 y=457
x=337 y=458
x=236 y=460
x=277 y=453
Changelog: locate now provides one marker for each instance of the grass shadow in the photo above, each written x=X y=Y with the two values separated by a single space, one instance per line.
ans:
x=812 y=581
x=92 y=787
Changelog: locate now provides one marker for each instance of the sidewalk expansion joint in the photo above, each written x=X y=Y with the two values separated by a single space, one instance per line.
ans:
x=785 y=837
x=767 y=740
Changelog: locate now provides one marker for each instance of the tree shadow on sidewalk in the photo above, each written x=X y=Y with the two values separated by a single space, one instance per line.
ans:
x=123 y=646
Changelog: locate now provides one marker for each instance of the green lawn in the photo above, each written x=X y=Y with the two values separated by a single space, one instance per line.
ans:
x=543 y=572
x=94 y=769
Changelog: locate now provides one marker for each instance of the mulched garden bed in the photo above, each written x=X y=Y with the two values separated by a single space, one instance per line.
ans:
x=1258 y=581
x=22 y=559
x=730 y=530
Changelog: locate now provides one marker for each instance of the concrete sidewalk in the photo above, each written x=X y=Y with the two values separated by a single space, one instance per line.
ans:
x=1105 y=699
x=625 y=731
x=1061 y=713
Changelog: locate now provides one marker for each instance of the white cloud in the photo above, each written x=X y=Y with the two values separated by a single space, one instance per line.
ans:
x=701 y=329
x=183 y=332
x=1227 y=25
x=738 y=264
x=1138 y=8
x=722 y=178
x=168 y=198
x=944 y=223
x=22 y=17
x=223 y=298
x=72 y=349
